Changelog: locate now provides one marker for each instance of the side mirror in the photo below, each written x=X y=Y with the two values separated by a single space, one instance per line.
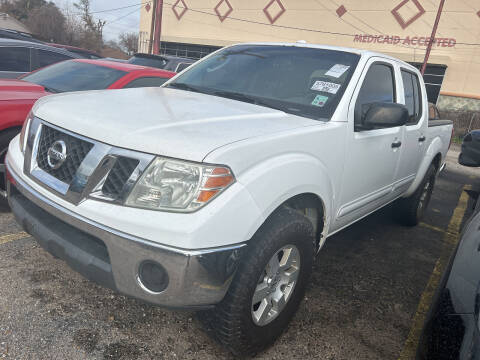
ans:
x=382 y=115
x=470 y=155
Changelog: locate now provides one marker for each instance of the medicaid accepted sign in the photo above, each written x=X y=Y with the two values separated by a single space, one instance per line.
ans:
x=409 y=40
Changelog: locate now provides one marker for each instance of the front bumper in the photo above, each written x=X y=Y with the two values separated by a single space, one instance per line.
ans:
x=196 y=278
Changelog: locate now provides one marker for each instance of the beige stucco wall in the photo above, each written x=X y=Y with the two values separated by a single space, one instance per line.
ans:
x=460 y=21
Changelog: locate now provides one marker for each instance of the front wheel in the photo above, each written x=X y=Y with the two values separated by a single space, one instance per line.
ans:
x=268 y=286
x=411 y=210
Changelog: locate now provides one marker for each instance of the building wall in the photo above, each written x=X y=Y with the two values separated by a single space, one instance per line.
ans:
x=366 y=24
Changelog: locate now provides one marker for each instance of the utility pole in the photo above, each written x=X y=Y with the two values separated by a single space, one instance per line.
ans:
x=152 y=26
x=432 y=37
x=158 y=27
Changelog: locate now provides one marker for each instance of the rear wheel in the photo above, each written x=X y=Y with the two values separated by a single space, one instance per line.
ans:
x=411 y=210
x=268 y=286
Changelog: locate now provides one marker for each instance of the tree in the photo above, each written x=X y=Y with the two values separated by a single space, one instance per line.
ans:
x=48 y=23
x=129 y=42
x=20 y=9
x=92 y=34
x=87 y=18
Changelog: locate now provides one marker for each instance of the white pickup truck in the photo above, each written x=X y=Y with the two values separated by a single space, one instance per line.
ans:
x=216 y=191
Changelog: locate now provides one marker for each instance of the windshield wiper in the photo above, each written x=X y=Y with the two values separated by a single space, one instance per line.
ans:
x=253 y=100
x=183 y=86
x=243 y=52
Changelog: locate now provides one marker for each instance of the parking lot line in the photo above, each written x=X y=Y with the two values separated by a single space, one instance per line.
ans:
x=450 y=240
x=12 y=237
x=431 y=227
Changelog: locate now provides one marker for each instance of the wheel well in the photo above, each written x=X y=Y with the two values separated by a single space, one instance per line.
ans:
x=436 y=161
x=17 y=128
x=311 y=206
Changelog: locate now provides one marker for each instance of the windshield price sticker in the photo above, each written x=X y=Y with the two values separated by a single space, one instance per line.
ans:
x=325 y=86
x=320 y=100
x=337 y=70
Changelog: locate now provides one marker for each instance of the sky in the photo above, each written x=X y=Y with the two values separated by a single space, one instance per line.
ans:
x=128 y=19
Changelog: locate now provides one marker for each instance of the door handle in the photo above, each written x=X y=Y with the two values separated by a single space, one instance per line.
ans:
x=396 y=144
x=422 y=138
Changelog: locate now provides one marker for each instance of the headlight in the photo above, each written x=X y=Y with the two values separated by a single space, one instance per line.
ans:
x=175 y=185
x=24 y=132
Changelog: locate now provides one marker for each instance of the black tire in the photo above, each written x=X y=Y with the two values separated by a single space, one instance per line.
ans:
x=232 y=319
x=409 y=211
x=5 y=137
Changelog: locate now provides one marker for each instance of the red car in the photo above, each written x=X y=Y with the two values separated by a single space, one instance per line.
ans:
x=17 y=96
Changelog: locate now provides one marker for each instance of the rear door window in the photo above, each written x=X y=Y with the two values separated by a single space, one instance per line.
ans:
x=45 y=58
x=413 y=96
x=15 y=59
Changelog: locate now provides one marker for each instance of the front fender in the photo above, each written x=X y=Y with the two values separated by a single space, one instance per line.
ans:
x=275 y=180
x=434 y=148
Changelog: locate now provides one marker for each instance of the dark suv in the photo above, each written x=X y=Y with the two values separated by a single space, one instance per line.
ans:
x=18 y=57
x=17 y=35
x=170 y=63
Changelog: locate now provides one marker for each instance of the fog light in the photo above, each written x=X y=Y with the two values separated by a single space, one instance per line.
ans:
x=152 y=277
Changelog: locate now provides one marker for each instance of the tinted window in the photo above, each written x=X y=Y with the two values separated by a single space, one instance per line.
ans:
x=159 y=62
x=409 y=95
x=146 y=82
x=74 y=76
x=45 y=58
x=14 y=59
x=299 y=80
x=378 y=86
x=413 y=98
x=417 y=94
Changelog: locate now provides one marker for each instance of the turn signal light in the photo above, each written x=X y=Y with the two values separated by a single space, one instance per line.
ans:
x=215 y=181
x=206 y=195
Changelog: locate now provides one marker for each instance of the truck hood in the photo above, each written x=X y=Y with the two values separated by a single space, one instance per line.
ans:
x=20 y=90
x=162 y=121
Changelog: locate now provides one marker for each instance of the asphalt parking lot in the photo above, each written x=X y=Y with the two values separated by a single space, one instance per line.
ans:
x=364 y=296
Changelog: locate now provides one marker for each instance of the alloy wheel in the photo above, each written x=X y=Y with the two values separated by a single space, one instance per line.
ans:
x=275 y=285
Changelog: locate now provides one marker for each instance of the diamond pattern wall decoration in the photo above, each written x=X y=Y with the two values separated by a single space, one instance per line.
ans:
x=404 y=23
x=341 y=11
x=179 y=8
x=147 y=7
x=223 y=9
x=274 y=10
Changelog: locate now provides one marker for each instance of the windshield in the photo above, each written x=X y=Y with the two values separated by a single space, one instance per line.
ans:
x=299 y=80
x=159 y=63
x=74 y=76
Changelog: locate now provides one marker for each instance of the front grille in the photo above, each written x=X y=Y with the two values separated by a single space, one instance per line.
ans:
x=77 y=150
x=118 y=176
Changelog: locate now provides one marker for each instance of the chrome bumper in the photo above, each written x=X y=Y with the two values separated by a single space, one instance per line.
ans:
x=196 y=278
